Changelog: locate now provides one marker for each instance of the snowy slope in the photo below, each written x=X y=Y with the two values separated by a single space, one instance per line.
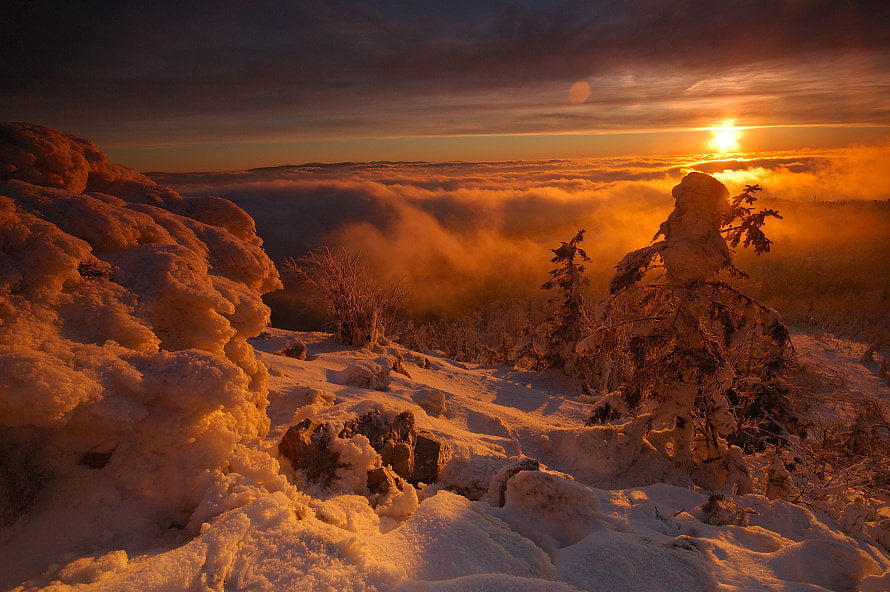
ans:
x=559 y=528
x=140 y=417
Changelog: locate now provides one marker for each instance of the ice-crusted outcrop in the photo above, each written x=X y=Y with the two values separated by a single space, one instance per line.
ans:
x=124 y=312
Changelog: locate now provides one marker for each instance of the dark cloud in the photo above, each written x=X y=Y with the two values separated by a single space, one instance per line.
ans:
x=221 y=70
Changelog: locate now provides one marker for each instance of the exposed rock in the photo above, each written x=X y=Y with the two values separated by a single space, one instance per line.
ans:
x=308 y=447
x=430 y=455
x=379 y=431
x=381 y=480
x=431 y=400
x=421 y=361
x=397 y=364
x=412 y=455
x=390 y=495
x=397 y=443
x=721 y=510
x=396 y=358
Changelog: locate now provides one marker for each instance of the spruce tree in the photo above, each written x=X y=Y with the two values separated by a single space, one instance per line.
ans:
x=571 y=319
x=700 y=360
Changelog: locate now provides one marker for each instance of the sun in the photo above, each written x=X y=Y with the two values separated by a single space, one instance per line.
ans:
x=725 y=138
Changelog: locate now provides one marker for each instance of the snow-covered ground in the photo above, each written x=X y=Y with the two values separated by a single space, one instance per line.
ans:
x=575 y=524
x=141 y=410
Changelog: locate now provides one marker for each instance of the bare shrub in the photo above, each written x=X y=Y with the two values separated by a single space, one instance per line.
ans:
x=356 y=304
x=502 y=334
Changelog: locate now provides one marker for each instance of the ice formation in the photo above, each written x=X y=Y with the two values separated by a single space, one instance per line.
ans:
x=126 y=375
x=694 y=249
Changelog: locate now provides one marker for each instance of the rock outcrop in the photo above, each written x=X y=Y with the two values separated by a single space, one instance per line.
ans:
x=412 y=454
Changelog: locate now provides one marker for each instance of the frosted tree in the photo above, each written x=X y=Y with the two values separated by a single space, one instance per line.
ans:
x=356 y=303
x=695 y=356
x=565 y=327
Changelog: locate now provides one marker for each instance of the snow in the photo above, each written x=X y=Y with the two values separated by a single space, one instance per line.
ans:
x=557 y=529
x=694 y=249
x=140 y=415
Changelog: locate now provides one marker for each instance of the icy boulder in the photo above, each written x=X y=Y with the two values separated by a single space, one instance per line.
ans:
x=124 y=315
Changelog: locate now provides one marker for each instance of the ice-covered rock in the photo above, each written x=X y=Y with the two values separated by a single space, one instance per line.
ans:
x=125 y=311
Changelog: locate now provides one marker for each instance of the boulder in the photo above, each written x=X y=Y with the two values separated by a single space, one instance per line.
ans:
x=413 y=455
x=307 y=445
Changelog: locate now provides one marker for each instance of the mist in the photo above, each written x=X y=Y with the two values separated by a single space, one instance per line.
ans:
x=465 y=236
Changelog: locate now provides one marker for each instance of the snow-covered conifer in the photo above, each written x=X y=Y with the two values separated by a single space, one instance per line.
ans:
x=701 y=358
x=567 y=324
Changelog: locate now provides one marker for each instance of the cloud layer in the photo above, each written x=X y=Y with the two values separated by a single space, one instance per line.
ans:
x=466 y=234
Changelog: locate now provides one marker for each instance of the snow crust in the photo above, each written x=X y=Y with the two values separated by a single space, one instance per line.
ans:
x=558 y=528
x=141 y=417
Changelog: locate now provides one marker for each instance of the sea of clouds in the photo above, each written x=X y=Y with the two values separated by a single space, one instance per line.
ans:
x=466 y=234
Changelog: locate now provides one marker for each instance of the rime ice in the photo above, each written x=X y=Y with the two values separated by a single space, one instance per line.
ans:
x=125 y=313
x=694 y=249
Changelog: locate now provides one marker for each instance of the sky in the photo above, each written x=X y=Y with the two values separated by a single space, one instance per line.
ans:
x=228 y=85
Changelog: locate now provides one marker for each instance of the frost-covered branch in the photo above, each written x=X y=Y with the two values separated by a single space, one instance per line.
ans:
x=355 y=303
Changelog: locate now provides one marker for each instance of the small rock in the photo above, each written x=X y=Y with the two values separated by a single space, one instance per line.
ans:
x=721 y=510
x=430 y=455
x=400 y=457
x=382 y=481
x=308 y=447
x=292 y=348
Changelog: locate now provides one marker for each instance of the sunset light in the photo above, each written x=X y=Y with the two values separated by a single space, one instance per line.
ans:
x=356 y=295
x=725 y=139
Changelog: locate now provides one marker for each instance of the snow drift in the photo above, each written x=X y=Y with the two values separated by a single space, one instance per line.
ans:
x=127 y=383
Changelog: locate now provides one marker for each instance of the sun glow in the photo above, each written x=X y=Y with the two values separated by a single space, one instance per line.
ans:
x=725 y=138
